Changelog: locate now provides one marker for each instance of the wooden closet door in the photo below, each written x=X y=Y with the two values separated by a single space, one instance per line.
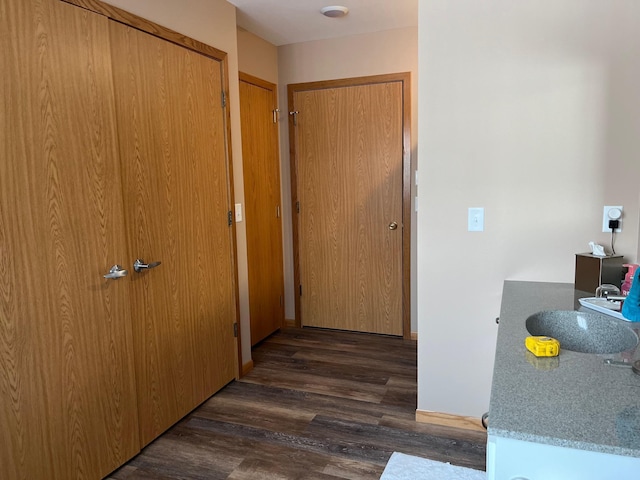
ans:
x=67 y=387
x=261 y=164
x=348 y=143
x=174 y=165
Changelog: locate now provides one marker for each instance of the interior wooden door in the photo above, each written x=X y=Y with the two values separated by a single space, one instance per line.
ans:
x=261 y=168
x=67 y=386
x=172 y=131
x=348 y=144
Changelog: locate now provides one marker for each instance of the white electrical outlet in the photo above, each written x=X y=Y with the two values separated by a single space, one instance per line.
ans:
x=476 y=219
x=606 y=217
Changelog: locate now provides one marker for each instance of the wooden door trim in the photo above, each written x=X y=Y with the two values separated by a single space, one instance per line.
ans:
x=258 y=82
x=233 y=233
x=134 y=21
x=405 y=79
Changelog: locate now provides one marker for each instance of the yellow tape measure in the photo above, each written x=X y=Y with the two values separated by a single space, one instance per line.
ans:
x=542 y=346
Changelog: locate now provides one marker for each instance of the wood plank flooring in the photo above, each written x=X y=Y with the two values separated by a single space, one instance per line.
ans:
x=318 y=405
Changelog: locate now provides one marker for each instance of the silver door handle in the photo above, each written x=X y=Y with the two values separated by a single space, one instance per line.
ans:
x=116 y=272
x=139 y=265
x=393 y=226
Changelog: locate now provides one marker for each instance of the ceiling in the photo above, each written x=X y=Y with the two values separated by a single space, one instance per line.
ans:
x=282 y=22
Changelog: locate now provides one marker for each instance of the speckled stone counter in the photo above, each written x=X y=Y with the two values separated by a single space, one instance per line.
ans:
x=574 y=400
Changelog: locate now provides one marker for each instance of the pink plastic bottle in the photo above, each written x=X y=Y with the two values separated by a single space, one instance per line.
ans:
x=628 y=278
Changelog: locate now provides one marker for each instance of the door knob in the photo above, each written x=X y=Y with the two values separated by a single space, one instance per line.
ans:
x=116 y=272
x=393 y=226
x=139 y=265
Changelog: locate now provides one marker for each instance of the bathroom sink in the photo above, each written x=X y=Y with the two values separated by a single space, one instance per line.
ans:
x=582 y=331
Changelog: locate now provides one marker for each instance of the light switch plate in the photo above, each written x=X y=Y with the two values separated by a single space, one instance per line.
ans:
x=605 y=219
x=238 y=212
x=476 y=219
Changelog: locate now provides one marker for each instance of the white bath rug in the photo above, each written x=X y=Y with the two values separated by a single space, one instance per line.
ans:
x=408 y=467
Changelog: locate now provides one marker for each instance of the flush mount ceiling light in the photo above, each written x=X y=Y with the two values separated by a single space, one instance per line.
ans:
x=334 y=11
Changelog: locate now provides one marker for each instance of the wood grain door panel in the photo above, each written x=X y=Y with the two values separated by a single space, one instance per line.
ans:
x=67 y=386
x=172 y=138
x=349 y=170
x=261 y=164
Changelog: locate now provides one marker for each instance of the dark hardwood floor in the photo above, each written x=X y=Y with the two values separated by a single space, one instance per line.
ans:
x=318 y=405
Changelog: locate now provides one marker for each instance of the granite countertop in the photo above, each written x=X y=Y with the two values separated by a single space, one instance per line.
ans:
x=574 y=400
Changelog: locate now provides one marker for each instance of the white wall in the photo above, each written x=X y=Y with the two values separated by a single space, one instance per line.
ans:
x=257 y=57
x=530 y=109
x=212 y=22
x=638 y=254
x=390 y=51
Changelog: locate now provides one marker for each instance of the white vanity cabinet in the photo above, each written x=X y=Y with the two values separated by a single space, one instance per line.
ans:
x=511 y=459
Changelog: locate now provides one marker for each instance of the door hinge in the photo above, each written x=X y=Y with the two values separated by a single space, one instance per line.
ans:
x=224 y=99
x=300 y=286
x=230 y=217
x=235 y=330
x=276 y=111
x=298 y=207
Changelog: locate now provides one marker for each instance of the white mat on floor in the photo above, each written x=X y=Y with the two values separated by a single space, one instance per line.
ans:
x=408 y=467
